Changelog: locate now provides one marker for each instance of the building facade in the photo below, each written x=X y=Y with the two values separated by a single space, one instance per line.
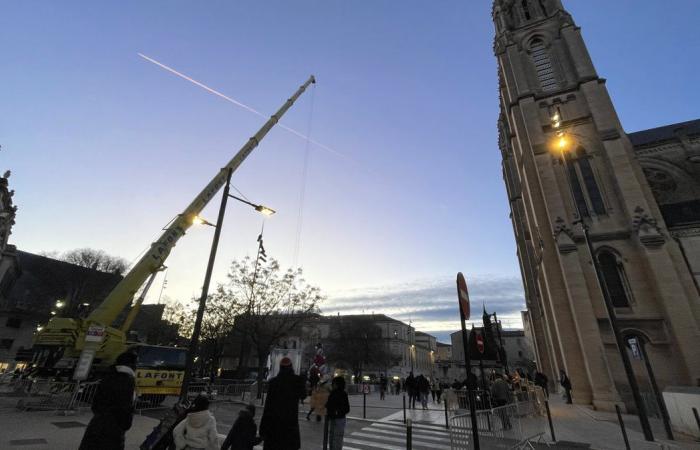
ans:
x=407 y=348
x=648 y=253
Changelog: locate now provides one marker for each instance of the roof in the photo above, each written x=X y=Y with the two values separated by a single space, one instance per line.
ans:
x=440 y=344
x=664 y=133
x=44 y=280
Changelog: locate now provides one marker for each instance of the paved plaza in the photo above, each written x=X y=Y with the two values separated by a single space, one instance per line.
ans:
x=383 y=428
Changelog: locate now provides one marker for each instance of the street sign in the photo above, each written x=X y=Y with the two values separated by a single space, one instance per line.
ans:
x=634 y=346
x=365 y=388
x=480 y=343
x=463 y=296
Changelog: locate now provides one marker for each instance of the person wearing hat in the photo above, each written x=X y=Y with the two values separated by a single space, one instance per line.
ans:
x=198 y=430
x=112 y=406
x=279 y=426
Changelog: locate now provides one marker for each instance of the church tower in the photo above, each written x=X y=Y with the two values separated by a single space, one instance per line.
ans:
x=544 y=69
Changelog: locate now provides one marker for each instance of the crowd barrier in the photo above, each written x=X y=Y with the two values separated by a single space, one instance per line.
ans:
x=513 y=426
x=45 y=394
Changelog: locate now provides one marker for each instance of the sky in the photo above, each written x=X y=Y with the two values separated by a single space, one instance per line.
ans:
x=105 y=147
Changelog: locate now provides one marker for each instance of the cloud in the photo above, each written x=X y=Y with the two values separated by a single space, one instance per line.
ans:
x=431 y=305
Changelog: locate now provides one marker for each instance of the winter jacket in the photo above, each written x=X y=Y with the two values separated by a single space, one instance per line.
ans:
x=337 y=405
x=500 y=391
x=198 y=430
x=319 y=397
x=422 y=384
x=279 y=426
x=113 y=411
x=243 y=434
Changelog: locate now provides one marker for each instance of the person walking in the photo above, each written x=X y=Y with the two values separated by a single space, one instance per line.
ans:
x=500 y=395
x=198 y=430
x=337 y=408
x=411 y=387
x=243 y=433
x=279 y=425
x=383 y=383
x=317 y=404
x=112 y=407
x=423 y=386
x=542 y=381
x=566 y=384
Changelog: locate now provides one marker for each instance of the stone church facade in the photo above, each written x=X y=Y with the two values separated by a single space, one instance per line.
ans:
x=638 y=193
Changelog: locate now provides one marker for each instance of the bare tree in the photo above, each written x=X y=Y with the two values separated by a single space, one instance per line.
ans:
x=270 y=304
x=95 y=259
x=357 y=343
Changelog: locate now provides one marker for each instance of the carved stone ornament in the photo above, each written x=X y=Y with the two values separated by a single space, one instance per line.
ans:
x=564 y=237
x=647 y=229
x=7 y=211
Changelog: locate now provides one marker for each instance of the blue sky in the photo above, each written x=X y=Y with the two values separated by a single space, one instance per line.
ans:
x=105 y=148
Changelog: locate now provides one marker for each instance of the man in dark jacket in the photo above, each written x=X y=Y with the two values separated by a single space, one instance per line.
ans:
x=279 y=426
x=337 y=407
x=112 y=406
x=243 y=434
x=411 y=390
x=566 y=384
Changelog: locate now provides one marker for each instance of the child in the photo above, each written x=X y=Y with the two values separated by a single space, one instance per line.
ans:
x=243 y=434
x=337 y=407
x=198 y=430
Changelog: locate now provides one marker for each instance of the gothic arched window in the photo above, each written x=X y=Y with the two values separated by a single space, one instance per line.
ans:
x=543 y=65
x=614 y=278
x=585 y=189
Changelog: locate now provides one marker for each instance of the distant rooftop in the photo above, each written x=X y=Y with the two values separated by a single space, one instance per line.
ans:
x=664 y=133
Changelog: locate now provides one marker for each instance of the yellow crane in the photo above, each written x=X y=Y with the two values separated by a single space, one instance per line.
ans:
x=57 y=347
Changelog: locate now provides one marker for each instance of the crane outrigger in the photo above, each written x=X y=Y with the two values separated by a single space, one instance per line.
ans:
x=58 y=345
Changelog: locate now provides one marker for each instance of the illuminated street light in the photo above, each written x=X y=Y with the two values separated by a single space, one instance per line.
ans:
x=60 y=304
x=198 y=220
x=264 y=210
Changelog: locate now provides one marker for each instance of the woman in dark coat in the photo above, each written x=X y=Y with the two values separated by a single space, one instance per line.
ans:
x=279 y=426
x=243 y=434
x=112 y=406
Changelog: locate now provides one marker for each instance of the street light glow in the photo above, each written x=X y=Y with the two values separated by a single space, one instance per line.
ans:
x=60 y=304
x=264 y=210
x=196 y=220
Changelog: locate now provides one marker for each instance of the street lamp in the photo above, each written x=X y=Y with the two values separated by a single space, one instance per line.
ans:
x=563 y=144
x=197 y=329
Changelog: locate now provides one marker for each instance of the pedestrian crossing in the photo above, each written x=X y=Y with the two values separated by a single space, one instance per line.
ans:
x=392 y=436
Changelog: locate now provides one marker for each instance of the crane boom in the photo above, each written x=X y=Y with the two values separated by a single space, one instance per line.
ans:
x=123 y=292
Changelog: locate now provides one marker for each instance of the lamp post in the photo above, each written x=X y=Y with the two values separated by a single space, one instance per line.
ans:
x=562 y=143
x=196 y=331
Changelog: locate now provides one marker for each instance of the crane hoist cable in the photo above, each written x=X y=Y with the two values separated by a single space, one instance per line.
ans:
x=304 y=177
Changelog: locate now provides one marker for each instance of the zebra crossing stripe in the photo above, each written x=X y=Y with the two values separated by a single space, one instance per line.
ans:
x=372 y=444
x=403 y=433
x=432 y=445
x=403 y=429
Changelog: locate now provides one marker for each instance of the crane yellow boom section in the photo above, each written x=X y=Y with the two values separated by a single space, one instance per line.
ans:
x=152 y=260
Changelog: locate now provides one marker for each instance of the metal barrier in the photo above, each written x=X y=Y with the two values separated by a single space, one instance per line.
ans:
x=45 y=395
x=512 y=426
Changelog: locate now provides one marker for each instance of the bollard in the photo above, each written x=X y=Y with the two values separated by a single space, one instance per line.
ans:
x=447 y=421
x=404 y=408
x=697 y=418
x=549 y=418
x=409 y=435
x=325 y=432
x=622 y=427
x=364 y=404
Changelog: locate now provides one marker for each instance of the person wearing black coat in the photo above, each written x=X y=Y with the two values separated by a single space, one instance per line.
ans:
x=337 y=408
x=243 y=434
x=279 y=426
x=112 y=407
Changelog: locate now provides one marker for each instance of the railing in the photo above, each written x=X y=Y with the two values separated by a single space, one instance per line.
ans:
x=511 y=426
x=45 y=394
x=54 y=396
